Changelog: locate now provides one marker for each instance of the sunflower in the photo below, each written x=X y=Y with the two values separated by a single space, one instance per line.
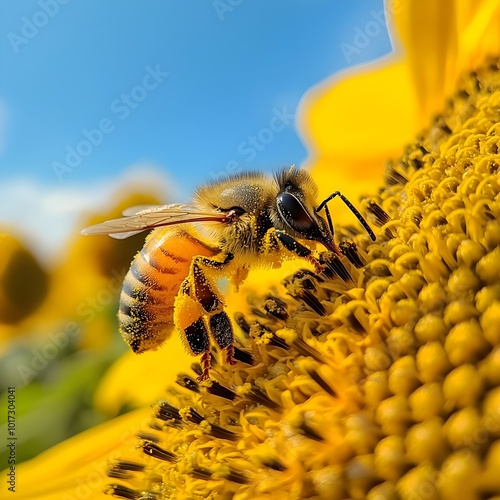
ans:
x=380 y=378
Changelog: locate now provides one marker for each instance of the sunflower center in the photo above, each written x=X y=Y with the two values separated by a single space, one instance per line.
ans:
x=377 y=379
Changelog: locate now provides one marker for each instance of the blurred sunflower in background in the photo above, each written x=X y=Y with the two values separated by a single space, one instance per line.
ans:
x=57 y=330
x=379 y=379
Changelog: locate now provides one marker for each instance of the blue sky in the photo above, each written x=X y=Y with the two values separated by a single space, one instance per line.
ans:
x=95 y=92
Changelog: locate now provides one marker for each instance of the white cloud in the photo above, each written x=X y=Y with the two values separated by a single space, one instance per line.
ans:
x=45 y=216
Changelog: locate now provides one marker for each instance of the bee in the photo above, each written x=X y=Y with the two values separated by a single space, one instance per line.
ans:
x=232 y=225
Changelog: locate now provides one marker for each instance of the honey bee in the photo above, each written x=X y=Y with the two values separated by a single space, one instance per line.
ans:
x=232 y=225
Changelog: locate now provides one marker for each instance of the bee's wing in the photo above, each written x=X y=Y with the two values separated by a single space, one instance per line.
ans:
x=139 y=208
x=142 y=209
x=143 y=218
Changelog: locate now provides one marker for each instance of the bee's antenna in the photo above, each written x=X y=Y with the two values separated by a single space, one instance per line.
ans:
x=329 y=219
x=351 y=207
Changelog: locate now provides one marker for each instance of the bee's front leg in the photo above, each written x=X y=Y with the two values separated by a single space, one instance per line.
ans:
x=300 y=250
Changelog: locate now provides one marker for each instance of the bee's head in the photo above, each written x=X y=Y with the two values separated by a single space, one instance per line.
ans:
x=295 y=208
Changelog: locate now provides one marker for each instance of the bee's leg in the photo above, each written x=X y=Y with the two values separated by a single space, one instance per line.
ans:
x=203 y=291
x=205 y=365
x=188 y=319
x=222 y=332
x=294 y=246
x=219 y=324
x=199 y=343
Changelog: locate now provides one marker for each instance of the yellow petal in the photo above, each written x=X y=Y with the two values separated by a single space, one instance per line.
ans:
x=354 y=125
x=442 y=40
x=139 y=379
x=76 y=468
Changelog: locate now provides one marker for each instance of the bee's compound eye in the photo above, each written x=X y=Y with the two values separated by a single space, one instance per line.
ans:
x=237 y=211
x=293 y=212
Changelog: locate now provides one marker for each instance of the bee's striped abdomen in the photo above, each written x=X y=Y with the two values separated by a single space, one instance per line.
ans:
x=151 y=285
